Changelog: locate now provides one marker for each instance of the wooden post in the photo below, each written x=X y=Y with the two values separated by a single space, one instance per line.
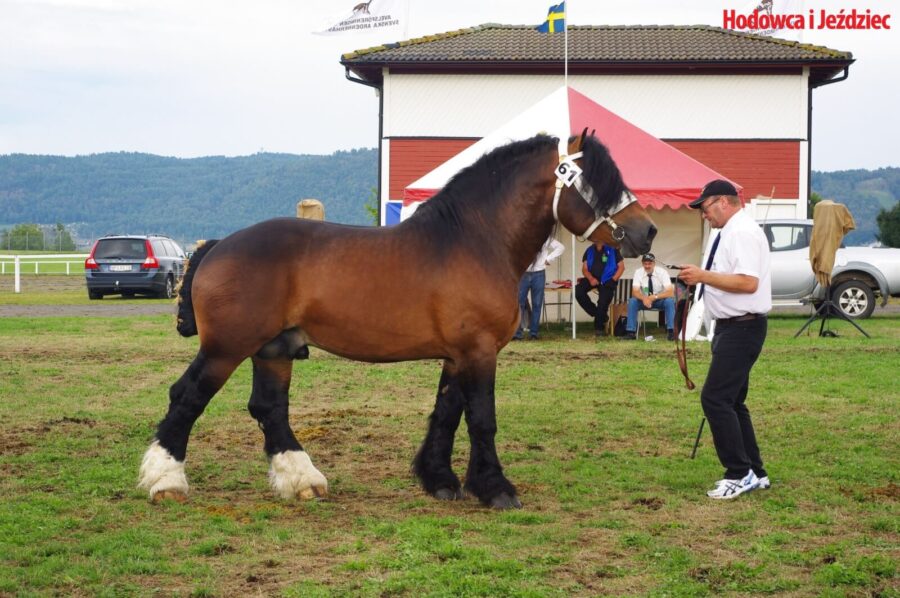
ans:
x=311 y=209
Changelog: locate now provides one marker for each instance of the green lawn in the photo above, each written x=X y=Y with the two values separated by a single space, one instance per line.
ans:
x=36 y=262
x=596 y=435
x=57 y=289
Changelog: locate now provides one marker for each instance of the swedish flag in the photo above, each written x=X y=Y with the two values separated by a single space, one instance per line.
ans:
x=556 y=19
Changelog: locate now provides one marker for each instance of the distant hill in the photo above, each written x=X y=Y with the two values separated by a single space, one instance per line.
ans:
x=187 y=199
x=202 y=198
x=864 y=192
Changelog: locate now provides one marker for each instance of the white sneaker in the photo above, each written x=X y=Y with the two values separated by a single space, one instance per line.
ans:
x=764 y=483
x=728 y=489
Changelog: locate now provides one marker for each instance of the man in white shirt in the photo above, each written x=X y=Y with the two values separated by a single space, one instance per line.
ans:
x=651 y=288
x=534 y=281
x=737 y=289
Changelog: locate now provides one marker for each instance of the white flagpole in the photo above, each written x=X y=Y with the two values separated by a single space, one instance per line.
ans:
x=572 y=290
x=566 y=47
x=566 y=82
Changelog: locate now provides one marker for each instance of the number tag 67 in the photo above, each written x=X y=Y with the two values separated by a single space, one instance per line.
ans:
x=567 y=172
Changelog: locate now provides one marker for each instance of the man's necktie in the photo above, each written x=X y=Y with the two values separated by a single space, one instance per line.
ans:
x=650 y=284
x=709 y=261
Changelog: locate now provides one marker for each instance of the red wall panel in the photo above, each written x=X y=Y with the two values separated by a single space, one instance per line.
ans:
x=411 y=159
x=755 y=165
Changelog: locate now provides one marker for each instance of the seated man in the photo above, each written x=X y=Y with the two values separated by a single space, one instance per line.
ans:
x=651 y=289
x=602 y=266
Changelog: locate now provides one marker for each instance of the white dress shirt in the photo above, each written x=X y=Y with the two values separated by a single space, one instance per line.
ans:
x=661 y=280
x=550 y=250
x=743 y=249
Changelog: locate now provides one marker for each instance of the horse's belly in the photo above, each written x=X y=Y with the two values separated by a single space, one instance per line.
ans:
x=376 y=347
x=375 y=335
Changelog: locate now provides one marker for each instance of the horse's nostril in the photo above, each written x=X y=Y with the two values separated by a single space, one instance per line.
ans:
x=651 y=233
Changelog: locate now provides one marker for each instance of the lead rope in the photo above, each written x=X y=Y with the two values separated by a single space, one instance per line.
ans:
x=681 y=351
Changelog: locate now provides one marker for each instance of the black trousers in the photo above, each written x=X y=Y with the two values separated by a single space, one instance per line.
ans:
x=600 y=312
x=735 y=348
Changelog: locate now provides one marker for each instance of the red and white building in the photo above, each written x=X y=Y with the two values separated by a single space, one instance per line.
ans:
x=738 y=103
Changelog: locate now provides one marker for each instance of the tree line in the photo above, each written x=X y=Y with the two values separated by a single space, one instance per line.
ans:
x=872 y=197
x=211 y=197
x=187 y=199
x=35 y=237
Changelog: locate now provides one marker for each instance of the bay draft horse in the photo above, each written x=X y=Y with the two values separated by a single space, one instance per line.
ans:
x=442 y=284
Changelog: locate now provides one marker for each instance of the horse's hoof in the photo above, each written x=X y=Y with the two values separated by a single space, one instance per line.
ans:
x=449 y=494
x=314 y=492
x=162 y=495
x=504 y=501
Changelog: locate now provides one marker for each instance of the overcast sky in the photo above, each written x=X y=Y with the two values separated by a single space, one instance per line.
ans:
x=217 y=77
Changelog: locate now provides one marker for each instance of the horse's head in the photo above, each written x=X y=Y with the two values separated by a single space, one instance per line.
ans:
x=597 y=205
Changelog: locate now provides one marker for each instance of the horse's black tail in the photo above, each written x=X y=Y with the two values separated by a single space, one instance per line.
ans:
x=186 y=324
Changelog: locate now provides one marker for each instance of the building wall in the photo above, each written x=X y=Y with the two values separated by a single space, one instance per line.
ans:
x=666 y=106
x=751 y=128
x=758 y=166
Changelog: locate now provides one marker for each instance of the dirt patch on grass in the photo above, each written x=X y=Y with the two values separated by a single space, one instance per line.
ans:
x=20 y=441
x=654 y=503
x=890 y=492
x=13 y=444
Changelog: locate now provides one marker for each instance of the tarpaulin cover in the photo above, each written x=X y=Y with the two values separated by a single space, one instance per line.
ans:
x=831 y=222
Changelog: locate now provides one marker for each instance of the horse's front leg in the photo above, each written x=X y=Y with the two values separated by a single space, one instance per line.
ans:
x=291 y=472
x=432 y=463
x=484 y=477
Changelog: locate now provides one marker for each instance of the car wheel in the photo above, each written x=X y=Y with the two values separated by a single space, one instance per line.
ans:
x=168 y=291
x=855 y=299
x=94 y=294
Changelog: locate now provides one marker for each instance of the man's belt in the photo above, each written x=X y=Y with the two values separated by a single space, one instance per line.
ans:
x=742 y=318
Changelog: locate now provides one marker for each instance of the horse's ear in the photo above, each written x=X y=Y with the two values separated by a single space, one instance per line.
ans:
x=583 y=137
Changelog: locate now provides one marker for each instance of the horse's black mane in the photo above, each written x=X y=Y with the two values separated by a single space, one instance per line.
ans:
x=480 y=188
x=602 y=174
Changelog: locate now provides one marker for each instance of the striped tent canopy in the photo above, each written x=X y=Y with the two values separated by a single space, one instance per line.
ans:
x=657 y=173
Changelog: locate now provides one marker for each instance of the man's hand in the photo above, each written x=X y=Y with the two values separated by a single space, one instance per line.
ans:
x=730 y=283
x=647 y=302
x=691 y=274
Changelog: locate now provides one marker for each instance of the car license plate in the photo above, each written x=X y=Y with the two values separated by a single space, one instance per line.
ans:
x=125 y=268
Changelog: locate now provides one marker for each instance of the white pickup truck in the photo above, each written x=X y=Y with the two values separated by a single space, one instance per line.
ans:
x=860 y=274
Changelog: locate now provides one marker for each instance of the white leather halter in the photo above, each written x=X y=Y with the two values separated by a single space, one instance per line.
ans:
x=567 y=176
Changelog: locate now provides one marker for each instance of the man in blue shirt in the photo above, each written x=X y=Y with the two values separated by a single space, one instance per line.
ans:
x=602 y=268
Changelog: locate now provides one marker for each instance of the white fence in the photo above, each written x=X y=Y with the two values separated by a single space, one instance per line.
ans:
x=17 y=261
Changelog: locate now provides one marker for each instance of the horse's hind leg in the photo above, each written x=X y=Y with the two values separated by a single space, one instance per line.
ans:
x=162 y=468
x=432 y=463
x=291 y=472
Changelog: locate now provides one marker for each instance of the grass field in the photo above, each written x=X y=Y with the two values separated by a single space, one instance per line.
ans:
x=36 y=262
x=58 y=289
x=596 y=435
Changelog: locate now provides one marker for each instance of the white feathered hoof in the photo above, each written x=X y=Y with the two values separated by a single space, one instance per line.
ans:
x=162 y=475
x=292 y=473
